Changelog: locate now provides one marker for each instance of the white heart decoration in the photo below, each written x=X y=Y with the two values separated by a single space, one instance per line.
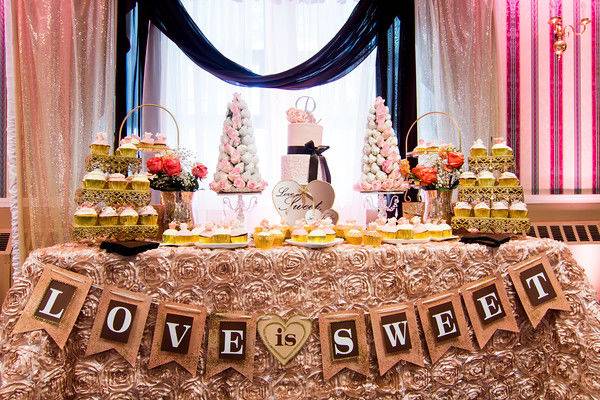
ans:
x=287 y=198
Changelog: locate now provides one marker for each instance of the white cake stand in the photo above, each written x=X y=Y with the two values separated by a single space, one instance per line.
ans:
x=237 y=205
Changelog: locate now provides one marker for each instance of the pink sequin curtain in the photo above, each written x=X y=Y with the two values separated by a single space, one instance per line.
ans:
x=64 y=54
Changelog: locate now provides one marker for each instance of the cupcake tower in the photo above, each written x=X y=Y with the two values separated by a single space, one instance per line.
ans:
x=237 y=169
x=381 y=157
x=491 y=197
x=111 y=204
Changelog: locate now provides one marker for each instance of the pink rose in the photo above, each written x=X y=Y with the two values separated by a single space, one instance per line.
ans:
x=253 y=185
x=388 y=184
x=388 y=132
x=225 y=185
x=228 y=148
x=387 y=166
x=225 y=166
x=394 y=174
x=236 y=158
x=232 y=177
x=239 y=183
x=366 y=186
x=385 y=150
x=376 y=186
x=236 y=171
x=380 y=142
x=237 y=121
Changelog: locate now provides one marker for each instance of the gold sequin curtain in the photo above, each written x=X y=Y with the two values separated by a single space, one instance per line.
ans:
x=457 y=69
x=64 y=89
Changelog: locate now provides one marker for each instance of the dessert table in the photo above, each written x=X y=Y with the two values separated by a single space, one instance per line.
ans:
x=559 y=359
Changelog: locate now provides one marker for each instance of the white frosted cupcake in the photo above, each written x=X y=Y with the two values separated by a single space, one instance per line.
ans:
x=482 y=210
x=445 y=229
x=486 y=178
x=128 y=216
x=467 y=178
x=317 y=236
x=405 y=229
x=508 y=179
x=100 y=146
x=108 y=216
x=184 y=236
x=170 y=235
x=222 y=235
x=140 y=181
x=95 y=179
x=478 y=149
x=389 y=230
x=518 y=209
x=420 y=232
x=127 y=149
x=239 y=234
x=501 y=149
x=148 y=215
x=86 y=215
x=499 y=209
x=462 y=209
x=117 y=182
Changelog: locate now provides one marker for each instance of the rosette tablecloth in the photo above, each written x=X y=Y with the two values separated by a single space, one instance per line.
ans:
x=558 y=360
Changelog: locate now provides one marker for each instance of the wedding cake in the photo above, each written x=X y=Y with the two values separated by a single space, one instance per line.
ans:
x=304 y=161
x=381 y=157
x=237 y=169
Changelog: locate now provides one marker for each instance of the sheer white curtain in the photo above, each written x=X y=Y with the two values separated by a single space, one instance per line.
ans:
x=266 y=36
x=457 y=69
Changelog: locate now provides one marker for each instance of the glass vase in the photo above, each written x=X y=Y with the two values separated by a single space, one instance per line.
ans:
x=177 y=207
x=438 y=205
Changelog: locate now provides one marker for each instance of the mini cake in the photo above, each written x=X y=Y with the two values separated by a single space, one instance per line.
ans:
x=482 y=210
x=206 y=233
x=184 y=236
x=95 y=179
x=420 y=232
x=478 y=149
x=128 y=216
x=354 y=236
x=100 y=146
x=389 y=230
x=501 y=149
x=263 y=240
x=508 y=179
x=467 y=178
x=278 y=237
x=127 y=149
x=170 y=235
x=317 y=236
x=239 y=234
x=299 y=235
x=140 y=181
x=499 y=209
x=371 y=236
x=486 y=179
x=86 y=215
x=222 y=235
x=462 y=209
x=147 y=140
x=117 y=182
x=148 y=215
x=108 y=216
x=405 y=229
x=518 y=209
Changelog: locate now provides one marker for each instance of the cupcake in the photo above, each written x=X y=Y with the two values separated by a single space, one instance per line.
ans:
x=170 y=235
x=340 y=229
x=436 y=231
x=481 y=210
x=196 y=231
x=148 y=215
x=405 y=230
x=147 y=139
x=389 y=230
x=140 y=181
x=278 y=236
x=478 y=149
x=95 y=179
x=420 y=232
x=354 y=236
x=128 y=216
x=127 y=149
x=508 y=179
x=446 y=230
x=222 y=235
x=486 y=179
x=329 y=233
x=499 y=209
x=117 y=182
x=161 y=139
x=518 y=209
x=501 y=149
x=184 y=236
x=239 y=234
x=263 y=240
x=263 y=226
x=86 y=215
x=317 y=236
x=462 y=209
x=206 y=233
x=371 y=236
x=299 y=235
x=100 y=146
x=108 y=216
x=467 y=178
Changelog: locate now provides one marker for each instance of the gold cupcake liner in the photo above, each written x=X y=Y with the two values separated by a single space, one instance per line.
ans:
x=492 y=225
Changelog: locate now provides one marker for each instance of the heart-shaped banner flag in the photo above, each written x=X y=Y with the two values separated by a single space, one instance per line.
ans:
x=284 y=339
x=293 y=200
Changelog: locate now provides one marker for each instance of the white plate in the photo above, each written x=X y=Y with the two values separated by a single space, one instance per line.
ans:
x=222 y=245
x=315 y=245
x=446 y=238
x=176 y=244
x=405 y=241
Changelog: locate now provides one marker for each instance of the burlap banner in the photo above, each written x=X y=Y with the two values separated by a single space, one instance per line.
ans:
x=121 y=315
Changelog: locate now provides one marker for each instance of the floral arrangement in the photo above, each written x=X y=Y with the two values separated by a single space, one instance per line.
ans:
x=172 y=172
x=442 y=175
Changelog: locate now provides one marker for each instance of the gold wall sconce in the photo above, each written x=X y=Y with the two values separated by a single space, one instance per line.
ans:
x=561 y=32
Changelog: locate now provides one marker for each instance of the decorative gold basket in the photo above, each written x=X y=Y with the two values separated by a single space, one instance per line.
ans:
x=476 y=194
x=137 y=198
x=146 y=147
x=457 y=132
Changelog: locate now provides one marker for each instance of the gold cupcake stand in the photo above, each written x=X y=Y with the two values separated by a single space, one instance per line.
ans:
x=509 y=194
x=491 y=163
x=492 y=225
x=113 y=164
x=111 y=197
x=121 y=232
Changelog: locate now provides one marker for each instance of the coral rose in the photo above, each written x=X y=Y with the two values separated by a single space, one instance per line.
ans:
x=455 y=159
x=426 y=175
x=154 y=165
x=172 y=166
x=199 y=171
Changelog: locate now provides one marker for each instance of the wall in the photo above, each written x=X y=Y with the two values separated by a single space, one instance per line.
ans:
x=551 y=107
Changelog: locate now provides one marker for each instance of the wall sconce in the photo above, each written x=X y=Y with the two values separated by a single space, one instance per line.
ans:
x=561 y=32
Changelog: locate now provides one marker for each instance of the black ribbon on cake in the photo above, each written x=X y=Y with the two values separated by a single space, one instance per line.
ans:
x=317 y=160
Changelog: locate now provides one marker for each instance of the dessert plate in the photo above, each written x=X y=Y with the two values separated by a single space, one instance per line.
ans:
x=176 y=244
x=315 y=245
x=405 y=241
x=454 y=237
x=222 y=245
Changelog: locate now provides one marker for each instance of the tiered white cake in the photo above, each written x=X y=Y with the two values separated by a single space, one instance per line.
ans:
x=302 y=130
